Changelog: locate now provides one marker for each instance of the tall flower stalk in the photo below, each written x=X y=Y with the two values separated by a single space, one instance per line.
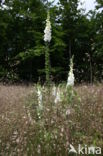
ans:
x=39 y=94
x=47 y=64
x=47 y=39
x=70 y=83
x=71 y=78
x=40 y=101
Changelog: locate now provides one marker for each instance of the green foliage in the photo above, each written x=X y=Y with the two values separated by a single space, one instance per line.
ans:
x=3 y=72
x=22 y=48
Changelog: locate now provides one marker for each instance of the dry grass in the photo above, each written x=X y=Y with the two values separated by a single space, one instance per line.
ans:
x=84 y=125
x=13 y=119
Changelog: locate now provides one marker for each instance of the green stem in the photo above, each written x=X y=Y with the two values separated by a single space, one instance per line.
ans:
x=47 y=64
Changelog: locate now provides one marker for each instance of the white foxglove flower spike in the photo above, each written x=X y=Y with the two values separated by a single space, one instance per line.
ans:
x=47 y=31
x=39 y=94
x=58 y=96
x=71 y=78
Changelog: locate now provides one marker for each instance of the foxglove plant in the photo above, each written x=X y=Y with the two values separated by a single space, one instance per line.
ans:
x=58 y=96
x=71 y=78
x=70 y=83
x=47 y=39
x=39 y=96
x=40 y=101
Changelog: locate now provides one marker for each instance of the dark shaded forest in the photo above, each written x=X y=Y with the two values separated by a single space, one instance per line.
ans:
x=74 y=32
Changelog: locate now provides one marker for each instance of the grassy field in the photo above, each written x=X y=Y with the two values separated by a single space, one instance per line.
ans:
x=28 y=130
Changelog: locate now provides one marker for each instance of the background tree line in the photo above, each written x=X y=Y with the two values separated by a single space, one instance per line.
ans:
x=22 y=47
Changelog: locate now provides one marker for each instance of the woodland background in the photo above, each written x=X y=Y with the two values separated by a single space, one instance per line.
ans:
x=74 y=32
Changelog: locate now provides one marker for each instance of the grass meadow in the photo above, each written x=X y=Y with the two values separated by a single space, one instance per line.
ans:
x=34 y=123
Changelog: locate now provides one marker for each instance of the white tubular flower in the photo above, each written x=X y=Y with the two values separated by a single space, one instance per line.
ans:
x=39 y=93
x=71 y=78
x=47 y=31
